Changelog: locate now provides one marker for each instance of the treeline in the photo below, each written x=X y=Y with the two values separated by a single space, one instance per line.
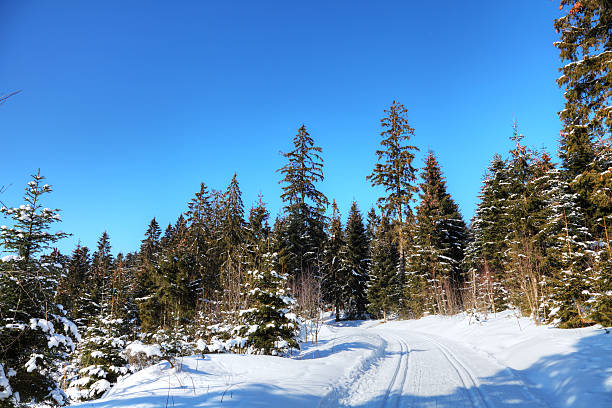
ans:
x=228 y=278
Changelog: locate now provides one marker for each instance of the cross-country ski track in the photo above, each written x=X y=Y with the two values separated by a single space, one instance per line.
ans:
x=438 y=362
x=418 y=370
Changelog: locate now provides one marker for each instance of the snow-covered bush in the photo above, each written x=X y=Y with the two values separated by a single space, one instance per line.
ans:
x=100 y=359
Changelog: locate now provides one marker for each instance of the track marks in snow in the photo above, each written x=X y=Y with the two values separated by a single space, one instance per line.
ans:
x=344 y=389
x=467 y=377
x=412 y=369
x=393 y=396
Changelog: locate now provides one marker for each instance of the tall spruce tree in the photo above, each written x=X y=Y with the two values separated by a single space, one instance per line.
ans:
x=334 y=268
x=586 y=45
x=570 y=283
x=202 y=241
x=440 y=239
x=522 y=262
x=384 y=291
x=356 y=264
x=101 y=264
x=395 y=173
x=485 y=251
x=75 y=292
x=303 y=233
x=149 y=256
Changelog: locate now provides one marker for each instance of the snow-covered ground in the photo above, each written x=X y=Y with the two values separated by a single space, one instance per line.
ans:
x=431 y=362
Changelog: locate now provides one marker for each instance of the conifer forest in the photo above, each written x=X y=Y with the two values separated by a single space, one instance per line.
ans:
x=227 y=277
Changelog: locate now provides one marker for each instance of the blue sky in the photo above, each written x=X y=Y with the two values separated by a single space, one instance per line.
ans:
x=127 y=106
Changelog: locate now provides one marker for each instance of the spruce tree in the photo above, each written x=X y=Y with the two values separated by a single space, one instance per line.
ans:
x=356 y=265
x=395 y=173
x=28 y=235
x=101 y=264
x=99 y=356
x=35 y=335
x=258 y=228
x=269 y=325
x=144 y=283
x=101 y=362
x=440 y=240
x=202 y=243
x=385 y=276
x=522 y=262
x=586 y=45
x=571 y=282
x=372 y=223
x=485 y=252
x=303 y=233
x=75 y=292
x=233 y=216
x=333 y=271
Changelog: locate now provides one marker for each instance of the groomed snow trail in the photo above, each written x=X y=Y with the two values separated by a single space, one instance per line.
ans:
x=436 y=362
x=421 y=370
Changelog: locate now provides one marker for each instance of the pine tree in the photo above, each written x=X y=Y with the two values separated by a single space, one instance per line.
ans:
x=333 y=271
x=356 y=264
x=35 y=335
x=303 y=233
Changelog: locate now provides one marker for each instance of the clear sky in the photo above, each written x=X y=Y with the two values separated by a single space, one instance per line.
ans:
x=128 y=105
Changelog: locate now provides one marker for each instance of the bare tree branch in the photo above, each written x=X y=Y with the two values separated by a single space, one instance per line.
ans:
x=5 y=97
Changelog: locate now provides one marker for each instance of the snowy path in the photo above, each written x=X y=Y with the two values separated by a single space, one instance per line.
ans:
x=418 y=370
x=433 y=362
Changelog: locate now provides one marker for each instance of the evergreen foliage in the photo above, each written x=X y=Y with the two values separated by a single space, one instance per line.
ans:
x=440 y=238
x=384 y=291
x=586 y=44
x=394 y=170
x=334 y=271
x=270 y=327
x=35 y=334
x=303 y=234
x=356 y=265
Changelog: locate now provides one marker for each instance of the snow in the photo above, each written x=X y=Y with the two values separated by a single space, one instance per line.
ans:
x=31 y=365
x=9 y=258
x=137 y=347
x=5 y=387
x=502 y=361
